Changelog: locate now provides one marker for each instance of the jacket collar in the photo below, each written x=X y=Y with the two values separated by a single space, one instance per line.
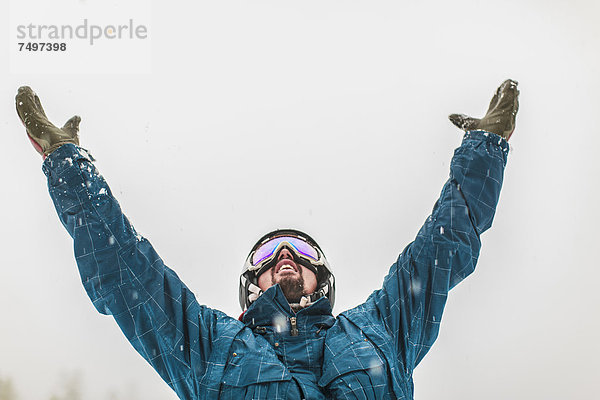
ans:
x=272 y=306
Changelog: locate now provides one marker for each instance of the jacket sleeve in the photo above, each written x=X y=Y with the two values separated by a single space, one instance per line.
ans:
x=124 y=276
x=446 y=249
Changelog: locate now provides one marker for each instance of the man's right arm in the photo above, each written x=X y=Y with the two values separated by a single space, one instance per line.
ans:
x=124 y=276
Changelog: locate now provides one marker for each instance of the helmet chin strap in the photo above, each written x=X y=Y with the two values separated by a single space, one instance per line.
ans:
x=309 y=299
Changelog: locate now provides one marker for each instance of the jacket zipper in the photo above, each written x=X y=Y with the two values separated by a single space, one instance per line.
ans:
x=294 y=331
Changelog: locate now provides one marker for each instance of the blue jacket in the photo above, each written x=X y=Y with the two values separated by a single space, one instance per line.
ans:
x=368 y=352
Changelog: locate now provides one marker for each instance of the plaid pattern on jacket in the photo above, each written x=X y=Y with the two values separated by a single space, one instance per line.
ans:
x=368 y=352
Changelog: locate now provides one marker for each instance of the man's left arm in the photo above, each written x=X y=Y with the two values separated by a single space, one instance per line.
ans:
x=446 y=249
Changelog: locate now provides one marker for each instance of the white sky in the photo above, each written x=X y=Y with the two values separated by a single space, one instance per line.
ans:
x=330 y=117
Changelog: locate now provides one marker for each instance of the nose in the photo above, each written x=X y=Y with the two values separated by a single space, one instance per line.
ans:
x=285 y=253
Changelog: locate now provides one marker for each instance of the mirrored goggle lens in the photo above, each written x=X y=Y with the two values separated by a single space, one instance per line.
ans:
x=266 y=250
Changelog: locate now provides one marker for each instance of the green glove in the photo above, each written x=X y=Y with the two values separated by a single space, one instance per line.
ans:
x=44 y=135
x=501 y=115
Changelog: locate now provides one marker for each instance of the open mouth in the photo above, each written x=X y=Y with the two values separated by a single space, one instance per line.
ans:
x=286 y=265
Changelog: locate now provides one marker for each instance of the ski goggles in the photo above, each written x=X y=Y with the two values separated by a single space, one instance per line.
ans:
x=267 y=251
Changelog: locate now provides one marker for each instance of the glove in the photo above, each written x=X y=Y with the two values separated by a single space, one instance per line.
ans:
x=501 y=115
x=44 y=135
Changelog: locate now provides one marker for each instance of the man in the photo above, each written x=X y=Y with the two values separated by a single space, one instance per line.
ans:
x=286 y=344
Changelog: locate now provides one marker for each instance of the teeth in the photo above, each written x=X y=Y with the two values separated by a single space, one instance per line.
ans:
x=286 y=267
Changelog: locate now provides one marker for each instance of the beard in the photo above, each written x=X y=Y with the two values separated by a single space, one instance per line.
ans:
x=292 y=287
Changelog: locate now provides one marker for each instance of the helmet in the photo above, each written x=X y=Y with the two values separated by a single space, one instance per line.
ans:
x=315 y=261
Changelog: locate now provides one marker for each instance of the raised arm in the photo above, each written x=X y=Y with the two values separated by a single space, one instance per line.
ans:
x=446 y=248
x=120 y=270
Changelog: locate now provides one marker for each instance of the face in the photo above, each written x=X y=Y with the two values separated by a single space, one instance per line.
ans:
x=294 y=279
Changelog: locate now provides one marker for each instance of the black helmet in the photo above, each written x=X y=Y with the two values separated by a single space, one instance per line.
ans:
x=249 y=290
